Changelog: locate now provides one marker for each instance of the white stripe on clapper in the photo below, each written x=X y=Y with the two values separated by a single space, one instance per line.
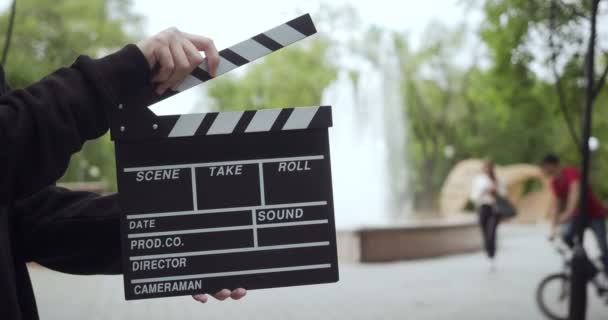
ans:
x=254 y=226
x=250 y=49
x=263 y=120
x=194 y=195
x=232 y=273
x=223 y=67
x=225 y=122
x=224 y=163
x=222 y=210
x=225 y=251
x=187 y=125
x=255 y=229
x=284 y=34
x=300 y=118
x=188 y=83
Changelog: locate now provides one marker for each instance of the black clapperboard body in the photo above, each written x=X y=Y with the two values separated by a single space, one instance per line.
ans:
x=230 y=199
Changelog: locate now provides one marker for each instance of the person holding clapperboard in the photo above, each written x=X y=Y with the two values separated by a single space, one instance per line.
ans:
x=41 y=126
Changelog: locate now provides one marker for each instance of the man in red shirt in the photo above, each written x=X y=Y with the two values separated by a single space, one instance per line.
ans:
x=565 y=184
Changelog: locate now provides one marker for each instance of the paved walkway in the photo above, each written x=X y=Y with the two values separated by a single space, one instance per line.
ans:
x=459 y=287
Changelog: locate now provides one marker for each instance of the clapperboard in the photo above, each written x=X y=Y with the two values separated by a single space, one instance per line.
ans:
x=230 y=199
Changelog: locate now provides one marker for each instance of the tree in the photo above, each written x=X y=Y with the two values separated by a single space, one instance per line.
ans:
x=552 y=34
x=433 y=101
x=50 y=34
x=9 y=32
x=272 y=83
x=549 y=41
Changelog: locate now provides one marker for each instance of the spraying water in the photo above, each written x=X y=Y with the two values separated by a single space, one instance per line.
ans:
x=368 y=141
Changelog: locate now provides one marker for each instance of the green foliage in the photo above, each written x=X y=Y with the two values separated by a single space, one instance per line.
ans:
x=553 y=34
x=51 y=34
x=531 y=185
x=509 y=111
x=273 y=82
x=433 y=87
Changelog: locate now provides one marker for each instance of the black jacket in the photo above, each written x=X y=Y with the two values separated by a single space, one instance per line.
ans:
x=41 y=126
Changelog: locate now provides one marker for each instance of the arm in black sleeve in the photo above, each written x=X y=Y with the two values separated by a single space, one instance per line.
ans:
x=42 y=125
x=70 y=231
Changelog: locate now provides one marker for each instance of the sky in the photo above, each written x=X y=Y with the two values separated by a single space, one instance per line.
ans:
x=229 y=22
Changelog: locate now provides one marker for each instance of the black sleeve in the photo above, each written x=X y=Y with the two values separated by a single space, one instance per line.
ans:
x=42 y=125
x=69 y=231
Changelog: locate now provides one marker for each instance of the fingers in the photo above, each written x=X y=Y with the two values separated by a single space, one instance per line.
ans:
x=202 y=298
x=238 y=293
x=177 y=54
x=181 y=67
x=206 y=45
x=234 y=294
x=165 y=60
x=194 y=56
x=222 y=295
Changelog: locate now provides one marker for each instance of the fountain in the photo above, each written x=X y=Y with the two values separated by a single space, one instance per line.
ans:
x=372 y=200
x=368 y=140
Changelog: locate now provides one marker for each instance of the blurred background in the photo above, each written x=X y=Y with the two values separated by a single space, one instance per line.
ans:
x=421 y=92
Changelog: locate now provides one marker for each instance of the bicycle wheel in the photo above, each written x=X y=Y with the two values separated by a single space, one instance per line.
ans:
x=552 y=296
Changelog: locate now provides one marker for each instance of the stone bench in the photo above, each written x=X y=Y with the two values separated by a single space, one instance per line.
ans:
x=416 y=239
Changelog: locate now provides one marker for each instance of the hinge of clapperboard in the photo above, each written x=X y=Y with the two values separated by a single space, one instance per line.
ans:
x=132 y=119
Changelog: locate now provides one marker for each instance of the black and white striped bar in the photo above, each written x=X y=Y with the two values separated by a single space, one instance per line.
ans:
x=225 y=123
x=253 y=121
x=253 y=49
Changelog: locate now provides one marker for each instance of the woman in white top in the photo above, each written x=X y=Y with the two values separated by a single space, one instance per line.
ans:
x=485 y=189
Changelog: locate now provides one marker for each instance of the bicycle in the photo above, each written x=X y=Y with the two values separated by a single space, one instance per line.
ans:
x=554 y=303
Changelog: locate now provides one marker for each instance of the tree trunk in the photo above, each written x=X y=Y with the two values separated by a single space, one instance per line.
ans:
x=9 y=33
x=426 y=201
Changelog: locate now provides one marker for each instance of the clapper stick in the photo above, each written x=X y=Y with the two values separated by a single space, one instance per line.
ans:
x=133 y=119
x=253 y=49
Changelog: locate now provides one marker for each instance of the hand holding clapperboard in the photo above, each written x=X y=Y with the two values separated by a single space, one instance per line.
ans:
x=225 y=200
